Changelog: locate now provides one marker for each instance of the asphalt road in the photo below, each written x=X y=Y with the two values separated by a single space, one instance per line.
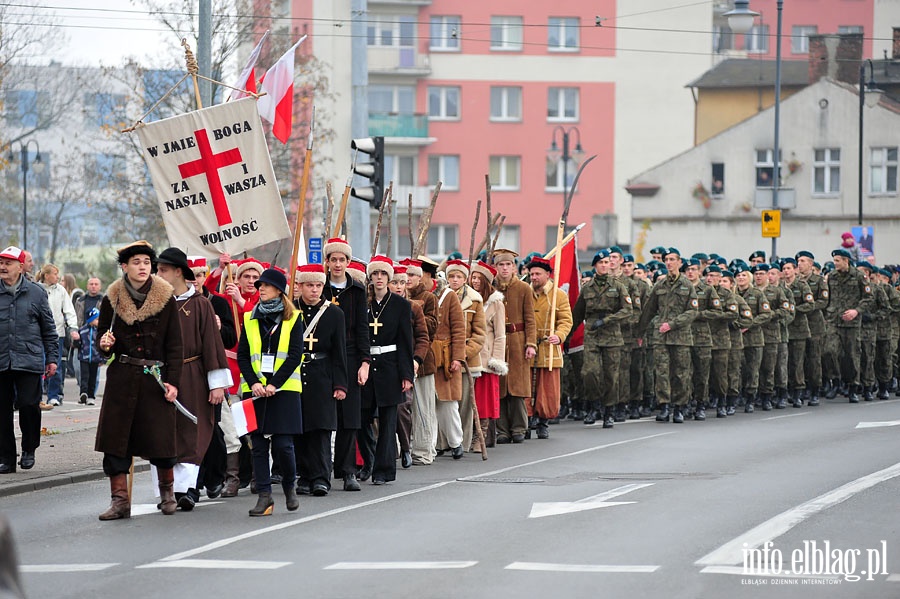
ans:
x=643 y=510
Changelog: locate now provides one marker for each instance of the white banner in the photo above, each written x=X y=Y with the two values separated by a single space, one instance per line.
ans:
x=214 y=179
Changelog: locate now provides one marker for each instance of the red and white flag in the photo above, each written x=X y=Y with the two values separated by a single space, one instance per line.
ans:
x=244 y=417
x=277 y=106
x=247 y=80
x=569 y=280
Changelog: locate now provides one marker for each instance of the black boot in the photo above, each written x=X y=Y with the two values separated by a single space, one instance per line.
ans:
x=748 y=403
x=869 y=393
x=264 y=505
x=635 y=412
x=677 y=415
x=853 y=393
x=813 y=397
x=663 y=415
x=608 y=418
x=720 y=407
x=577 y=412
x=564 y=410
x=729 y=405
x=781 y=401
x=831 y=390
x=646 y=410
x=883 y=391
x=797 y=398
x=767 y=402
x=542 y=430
x=700 y=412
x=591 y=412
x=619 y=414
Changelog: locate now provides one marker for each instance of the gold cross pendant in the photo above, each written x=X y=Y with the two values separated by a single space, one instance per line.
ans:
x=335 y=302
x=309 y=342
x=375 y=326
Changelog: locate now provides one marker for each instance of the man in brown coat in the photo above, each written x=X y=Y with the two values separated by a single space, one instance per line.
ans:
x=521 y=347
x=424 y=432
x=449 y=348
x=548 y=362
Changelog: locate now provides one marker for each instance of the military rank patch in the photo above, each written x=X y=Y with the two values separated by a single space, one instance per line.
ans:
x=695 y=303
x=765 y=306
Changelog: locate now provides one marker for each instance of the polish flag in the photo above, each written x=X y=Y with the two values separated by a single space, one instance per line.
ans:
x=277 y=107
x=244 y=417
x=569 y=280
x=247 y=80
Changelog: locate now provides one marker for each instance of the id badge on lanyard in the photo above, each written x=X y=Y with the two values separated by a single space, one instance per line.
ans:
x=268 y=364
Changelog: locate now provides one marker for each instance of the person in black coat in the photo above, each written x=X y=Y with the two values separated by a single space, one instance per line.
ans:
x=391 y=373
x=350 y=296
x=324 y=375
x=269 y=365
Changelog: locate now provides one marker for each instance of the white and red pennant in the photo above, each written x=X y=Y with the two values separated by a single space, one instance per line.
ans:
x=214 y=180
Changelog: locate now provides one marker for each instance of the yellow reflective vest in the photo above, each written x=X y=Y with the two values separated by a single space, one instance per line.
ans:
x=254 y=340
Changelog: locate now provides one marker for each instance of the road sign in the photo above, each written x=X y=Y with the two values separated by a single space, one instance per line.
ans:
x=771 y=223
x=315 y=243
x=314 y=257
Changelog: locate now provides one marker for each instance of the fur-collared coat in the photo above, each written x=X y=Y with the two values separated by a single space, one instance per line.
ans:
x=135 y=418
x=451 y=334
x=493 y=352
x=561 y=326
x=428 y=301
x=520 y=334
x=473 y=310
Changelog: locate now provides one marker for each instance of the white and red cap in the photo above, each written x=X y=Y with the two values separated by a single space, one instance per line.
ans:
x=399 y=270
x=457 y=265
x=249 y=264
x=357 y=270
x=485 y=270
x=413 y=266
x=381 y=263
x=13 y=253
x=336 y=244
x=310 y=273
x=198 y=264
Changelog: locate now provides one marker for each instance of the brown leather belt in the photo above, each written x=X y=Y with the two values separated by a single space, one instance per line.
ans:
x=191 y=359
x=515 y=328
x=139 y=361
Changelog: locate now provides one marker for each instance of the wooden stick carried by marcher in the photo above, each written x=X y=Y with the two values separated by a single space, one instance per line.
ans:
x=487 y=194
x=474 y=229
x=381 y=210
x=497 y=234
x=565 y=240
x=234 y=306
x=479 y=434
x=409 y=219
x=329 y=193
x=486 y=240
x=425 y=223
x=392 y=207
x=301 y=203
x=345 y=198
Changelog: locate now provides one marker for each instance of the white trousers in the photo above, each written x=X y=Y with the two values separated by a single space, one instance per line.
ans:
x=232 y=442
x=424 y=421
x=449 y=423
x=185 y=477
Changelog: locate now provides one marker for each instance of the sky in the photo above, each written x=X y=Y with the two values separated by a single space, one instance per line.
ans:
x=89 y=32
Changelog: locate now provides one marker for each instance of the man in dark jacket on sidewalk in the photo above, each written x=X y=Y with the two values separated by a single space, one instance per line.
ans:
x=29 y=347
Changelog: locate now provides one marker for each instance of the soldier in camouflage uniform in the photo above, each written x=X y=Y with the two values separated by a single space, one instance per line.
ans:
x=709 y=309
x=771 y=333
x=868 y=332
x=884 y=344
x=721 y=340
x=803 y=303
x=781 y=362
x=637 y=405
x=816 y=320
x=673 y=301
x=572 y=378
x=602 y=306
x=736 y=329
x=754 y=338
x=850 y=296
x=616 y=261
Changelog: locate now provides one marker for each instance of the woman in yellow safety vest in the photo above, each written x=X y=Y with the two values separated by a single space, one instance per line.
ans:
x=269 y=355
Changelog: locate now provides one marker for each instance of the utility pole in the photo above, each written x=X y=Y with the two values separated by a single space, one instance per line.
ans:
x=358 y=225
x=204 y=51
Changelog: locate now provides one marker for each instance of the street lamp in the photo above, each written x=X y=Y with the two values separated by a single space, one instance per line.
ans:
x=554 y=155
x=741 y=20
x=38 y=168
x=869 y=95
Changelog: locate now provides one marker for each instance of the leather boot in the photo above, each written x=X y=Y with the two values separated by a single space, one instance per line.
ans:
x=609 y=418
x=591 y=412
x=729 y=405
x=677 y=415
x=635 y=412
x=781 y=402
x=813 y=397
x=883 y=391
x=797 y=398
x=645 y=409
x=853 y=393
x=700 y=412
x=542 y=430
x=831 y=390
x=868 y=393
x=166 y=493
x=485 y=425
x=663 y=415
x=264 y=505
x=577 y=410
x=564 y=409
x=767 y=402
x=720 y=407
x=619 y=414
x=290 y=498
x=748 y=404
x=120 y=505
x=232 y=480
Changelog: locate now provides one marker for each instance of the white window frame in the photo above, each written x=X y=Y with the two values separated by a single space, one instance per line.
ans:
x=384 y=23
x=395 y=160
x=756 y=41
x=395 y=99
x=509 y=173
x=509 y=237
x=557 y=174
x=507 y=26
x=845 y=29
x=766 y=162
x=445 y=162
x=800 y=38
x=562 y=25
x=880 y=170
x=829 y=167
x=443 y=91
x=562 y=104
x=449 y=35
x=442 y=247
x=506 y=105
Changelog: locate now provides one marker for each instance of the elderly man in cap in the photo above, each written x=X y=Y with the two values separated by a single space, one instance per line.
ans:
x=30 y=348
x=521 y=347
x=673 y=301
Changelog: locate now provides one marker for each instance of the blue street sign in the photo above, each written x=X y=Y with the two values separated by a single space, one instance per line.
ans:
x=314 y=256
x=315 y=243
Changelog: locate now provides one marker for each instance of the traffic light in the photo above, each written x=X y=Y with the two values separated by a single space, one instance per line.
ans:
x=373 y=171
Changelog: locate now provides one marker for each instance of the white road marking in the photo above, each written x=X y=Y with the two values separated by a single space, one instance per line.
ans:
x=731 y=553
x=786 y=416
x=48 y=568
x=555 y=508
x=291 y=523
x=739 y=571
x=218 y=564
x=893 y=578
x=600 y=568
x=399 y=565
x=878 y=424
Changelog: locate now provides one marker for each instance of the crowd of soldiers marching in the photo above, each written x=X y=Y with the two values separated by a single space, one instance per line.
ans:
x=356 y=366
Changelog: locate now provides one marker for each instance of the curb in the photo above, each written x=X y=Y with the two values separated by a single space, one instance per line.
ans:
x=58 y=480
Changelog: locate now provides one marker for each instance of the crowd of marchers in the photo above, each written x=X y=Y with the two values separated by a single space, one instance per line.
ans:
x=245 y=376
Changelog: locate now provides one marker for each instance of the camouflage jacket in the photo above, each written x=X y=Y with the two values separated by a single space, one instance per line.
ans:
x=781 y=308
x=816 y=318
x=803 y=304
x=760 y=315
x=744 y=321
x=720 y=327
x=674 y=301
x=606 y=299
x=848 y=291
x=709 y=308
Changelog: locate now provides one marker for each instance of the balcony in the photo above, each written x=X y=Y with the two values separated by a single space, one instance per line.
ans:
x=402 y=60
x=421 y=198
x=398 y=125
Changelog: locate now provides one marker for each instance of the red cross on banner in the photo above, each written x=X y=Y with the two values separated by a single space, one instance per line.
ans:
x=209 y=164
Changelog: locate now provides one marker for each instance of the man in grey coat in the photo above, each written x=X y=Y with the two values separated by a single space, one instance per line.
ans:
x=29 y=347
